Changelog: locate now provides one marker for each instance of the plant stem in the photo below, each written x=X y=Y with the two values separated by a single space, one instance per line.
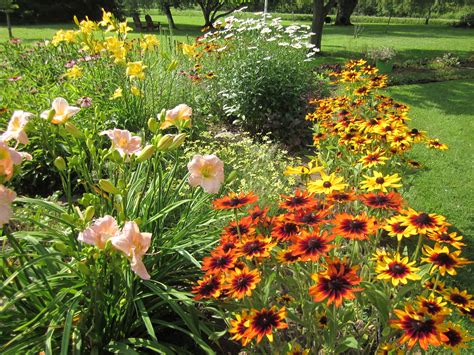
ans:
x=418 y=246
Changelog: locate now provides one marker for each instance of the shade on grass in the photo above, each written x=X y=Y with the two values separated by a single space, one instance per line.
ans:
x=446 y=183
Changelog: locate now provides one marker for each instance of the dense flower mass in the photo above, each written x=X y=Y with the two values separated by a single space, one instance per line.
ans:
x=340 y=263
x=347 y=227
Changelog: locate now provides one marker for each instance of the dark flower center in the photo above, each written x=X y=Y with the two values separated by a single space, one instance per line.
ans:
x=296 y=201
x=380 y=180
x=209 y=287
x=228 y=246
x=454 y=338
x=242 y=282
x=253 y=248
x=236 y=201
x=458 y=299
x=327 y=184
x=397 y=269
x=290 y=228
x=432 y=308
x=308 y=218
x=398 y=228
x=221 y=261
x=444 y=237
x=314 y=244
x=423 y=219
x=379 y=200
x=265 y=320
x=337 y=284
x=444 y=259
x=419 y=328
x=340 y=196
x=355 y=226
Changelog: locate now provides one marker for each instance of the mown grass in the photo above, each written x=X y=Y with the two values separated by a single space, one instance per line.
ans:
x=412 y=41
x=445 y=183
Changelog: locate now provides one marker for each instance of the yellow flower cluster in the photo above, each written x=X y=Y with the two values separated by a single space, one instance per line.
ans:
x=93 y=38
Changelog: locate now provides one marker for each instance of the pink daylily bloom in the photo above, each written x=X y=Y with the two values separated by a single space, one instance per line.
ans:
x=6 y=198
x=16 y=127
x=99 y=232
x=62 y=111
x=206 y=171
x=180 y=115
x=123 y=141
x=134 y=245
x=9 y=157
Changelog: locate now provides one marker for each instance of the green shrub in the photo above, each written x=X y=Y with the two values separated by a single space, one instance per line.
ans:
x=262 y=77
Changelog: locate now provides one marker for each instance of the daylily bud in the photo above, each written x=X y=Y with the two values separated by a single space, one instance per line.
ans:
x=82 y=267
x=146 y=153
x=89 y=213
x=73 y=130
x=162 y=116
x=178 y=141
x=60 y=163
x=232 y=176
x=121 y=184
x=153 y=125
x=51 y=114
x=107 y=186
x=165 y=142
x=115 y=156
x=61 y=247
x=173 y=65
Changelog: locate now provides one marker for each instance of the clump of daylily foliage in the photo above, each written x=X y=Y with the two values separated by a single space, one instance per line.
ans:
x=343 y=263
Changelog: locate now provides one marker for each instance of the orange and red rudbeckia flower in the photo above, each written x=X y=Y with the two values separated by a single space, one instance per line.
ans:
x=354 y=227
x=418 y=327
x=234 y=201
x=263 y=322
x=336 y=283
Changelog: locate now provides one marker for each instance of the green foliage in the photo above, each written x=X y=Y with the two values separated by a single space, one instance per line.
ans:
x=258 y=163
x=263 y=79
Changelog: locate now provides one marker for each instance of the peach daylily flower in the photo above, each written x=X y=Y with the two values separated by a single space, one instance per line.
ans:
x=206 y=171
x=62 y=111
x=179 y=116
x=99 y=232
x=123 y=141
x=16 y=127
x=9 y=157
x=6 y=198
x=134 y=245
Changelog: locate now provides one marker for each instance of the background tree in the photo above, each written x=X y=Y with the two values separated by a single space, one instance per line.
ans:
x=321 y=9
x=8 y=6
x=345 y=8
x=210 y=9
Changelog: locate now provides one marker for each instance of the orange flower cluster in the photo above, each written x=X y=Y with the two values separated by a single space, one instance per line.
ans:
x=371 y=126
x=346 y=228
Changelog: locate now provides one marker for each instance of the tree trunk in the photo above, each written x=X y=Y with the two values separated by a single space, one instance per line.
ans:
x=320 y=11
x=317 y=23
x=169 y=16
x=345 y=8
x=206 y=11
x=9 y=25
x=428 y=16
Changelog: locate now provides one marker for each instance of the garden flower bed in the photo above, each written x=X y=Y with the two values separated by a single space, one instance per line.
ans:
x=162 y=230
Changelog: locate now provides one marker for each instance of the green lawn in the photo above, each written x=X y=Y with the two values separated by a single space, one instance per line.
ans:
x=445 y=185
x=411 y=41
